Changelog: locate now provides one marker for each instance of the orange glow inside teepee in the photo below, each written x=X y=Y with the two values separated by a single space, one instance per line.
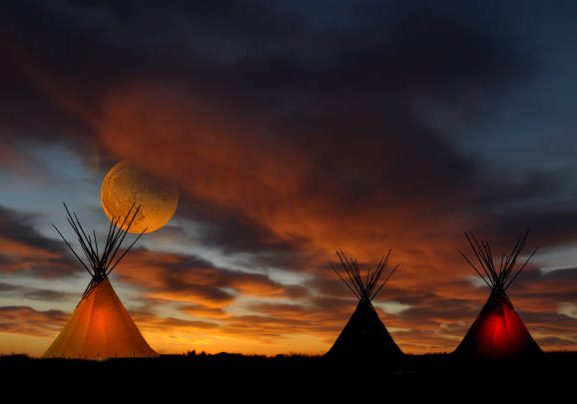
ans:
x=100 y=327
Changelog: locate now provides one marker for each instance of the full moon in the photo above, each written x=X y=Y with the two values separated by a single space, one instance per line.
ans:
x=125 y=184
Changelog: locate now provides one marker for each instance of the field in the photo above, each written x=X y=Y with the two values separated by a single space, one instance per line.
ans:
x=238 y=376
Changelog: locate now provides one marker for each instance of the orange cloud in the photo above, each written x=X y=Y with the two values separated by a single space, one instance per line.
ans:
x=190 y=279
x=16 y=250
x=27 y=321
x=226 y=158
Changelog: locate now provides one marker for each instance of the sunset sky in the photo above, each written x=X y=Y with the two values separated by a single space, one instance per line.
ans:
x=292 y=129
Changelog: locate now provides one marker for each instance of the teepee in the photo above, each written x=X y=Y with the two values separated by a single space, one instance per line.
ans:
x=498 y=332
x=365 y=335
x=100 y=327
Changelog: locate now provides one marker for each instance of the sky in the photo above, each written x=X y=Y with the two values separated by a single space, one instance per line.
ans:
x=292 y=129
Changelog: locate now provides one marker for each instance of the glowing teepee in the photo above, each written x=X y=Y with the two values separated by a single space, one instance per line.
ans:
x=498 y=332
x=364 y=336
x=100 y=326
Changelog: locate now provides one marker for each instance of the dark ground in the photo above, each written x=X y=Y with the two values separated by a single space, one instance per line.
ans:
x=283 y=378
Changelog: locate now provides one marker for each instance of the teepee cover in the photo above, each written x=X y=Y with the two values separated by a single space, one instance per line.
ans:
x=498 y=332
x=364 y=335
x=100 y=327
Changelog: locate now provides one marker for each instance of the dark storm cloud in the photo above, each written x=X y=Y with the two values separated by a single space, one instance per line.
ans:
x=411 y=52
x=441 y=310
x=550 y=321
x=28 y=321
x=192 y=279
x=232 y=232
x=550 y=224
x=20 y=228
x=556 y=342
x=336 y=83
x=26 y=292
x=111 y=41
x=263 y=51
x=233 y=18
x=5 y=287
x=23 y=248
x=546 y=291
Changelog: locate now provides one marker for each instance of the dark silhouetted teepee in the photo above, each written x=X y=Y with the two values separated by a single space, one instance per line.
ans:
x=364 y=336
x=100 y=327
x=498 y=332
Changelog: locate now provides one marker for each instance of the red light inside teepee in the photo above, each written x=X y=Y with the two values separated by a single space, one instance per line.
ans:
x=498 y=332
x=502 y=332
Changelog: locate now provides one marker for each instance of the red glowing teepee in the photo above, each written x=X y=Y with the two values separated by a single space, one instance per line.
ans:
x=498 y=332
